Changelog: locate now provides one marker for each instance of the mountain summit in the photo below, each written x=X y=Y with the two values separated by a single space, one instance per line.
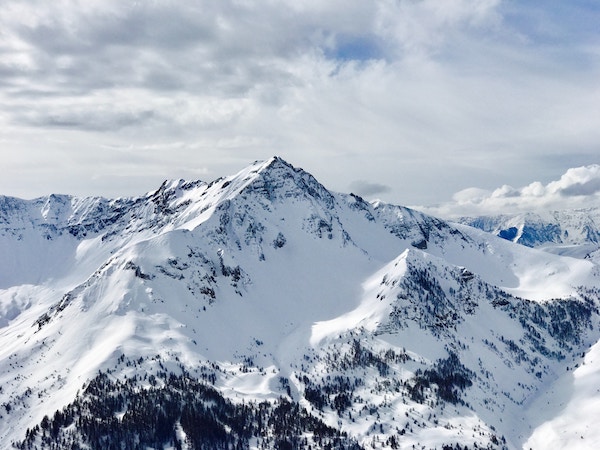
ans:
x=262 y=310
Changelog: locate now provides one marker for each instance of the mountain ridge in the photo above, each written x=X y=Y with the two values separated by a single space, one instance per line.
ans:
x=389 y=326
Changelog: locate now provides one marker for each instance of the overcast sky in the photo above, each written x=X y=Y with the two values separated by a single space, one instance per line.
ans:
x=470 y=105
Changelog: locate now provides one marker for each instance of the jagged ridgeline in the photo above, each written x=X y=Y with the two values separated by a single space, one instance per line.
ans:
x=262 y=310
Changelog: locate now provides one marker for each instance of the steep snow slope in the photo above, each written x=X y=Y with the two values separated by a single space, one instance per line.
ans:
x=565 y=415
x=392 y=326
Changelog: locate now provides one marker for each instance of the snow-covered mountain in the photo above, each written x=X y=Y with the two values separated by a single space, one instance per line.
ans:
x=263 y=311
x=572 y=233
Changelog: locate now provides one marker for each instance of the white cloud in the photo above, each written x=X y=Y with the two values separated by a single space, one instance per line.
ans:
x=422 y=97
x=577 y=182
x=423 y=26
x=577 y=188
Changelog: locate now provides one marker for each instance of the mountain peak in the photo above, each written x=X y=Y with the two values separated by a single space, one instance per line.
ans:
x=270 y=166
x=275 y=178
x=274 y=162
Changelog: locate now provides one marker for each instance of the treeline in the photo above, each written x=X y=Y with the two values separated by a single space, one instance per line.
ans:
x=450 y=377
x=177 y=411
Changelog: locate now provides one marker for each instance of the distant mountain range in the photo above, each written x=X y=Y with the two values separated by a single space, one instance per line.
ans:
x=574 y=232
x=262 y=310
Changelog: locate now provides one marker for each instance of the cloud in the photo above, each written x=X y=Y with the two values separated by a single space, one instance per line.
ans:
x=102 y=118
x=368 y=189
x=424 y=97
x=580 y=181
x=577 y=188
x=422 y=27
x=224 y=49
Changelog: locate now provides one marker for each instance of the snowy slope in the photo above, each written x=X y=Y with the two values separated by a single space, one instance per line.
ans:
x=391 y=326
